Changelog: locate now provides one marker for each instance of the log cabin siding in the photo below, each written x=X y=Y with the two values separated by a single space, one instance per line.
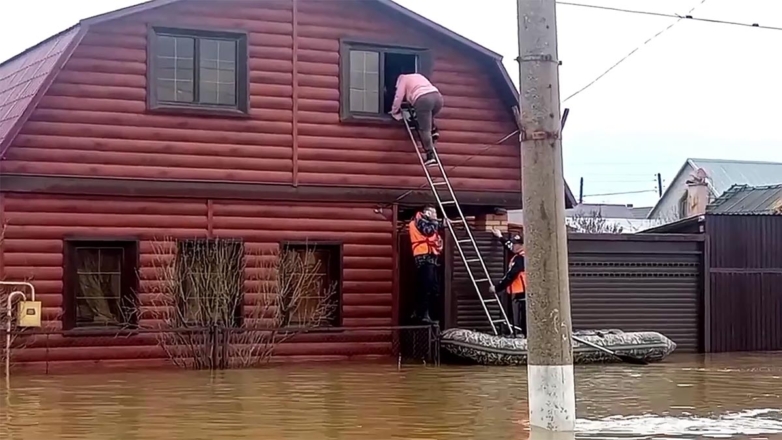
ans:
x=93 y=121
x=38 y=225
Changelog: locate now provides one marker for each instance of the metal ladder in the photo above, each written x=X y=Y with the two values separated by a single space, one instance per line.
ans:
x=484 y=278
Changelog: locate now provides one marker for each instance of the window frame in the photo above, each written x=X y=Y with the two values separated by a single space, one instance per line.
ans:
x=129 y=281
x=425 y=67
x=337 y=272
x=238 y=315
x=242 y=107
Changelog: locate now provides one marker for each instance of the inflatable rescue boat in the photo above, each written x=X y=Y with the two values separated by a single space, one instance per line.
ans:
x=481 y=348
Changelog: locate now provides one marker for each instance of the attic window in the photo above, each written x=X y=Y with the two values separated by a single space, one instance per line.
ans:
x=197 y=71
x=368 y=77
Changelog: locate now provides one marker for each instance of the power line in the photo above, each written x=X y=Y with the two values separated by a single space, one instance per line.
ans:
x=621 y=193
x=685 y=16
x=648 y=40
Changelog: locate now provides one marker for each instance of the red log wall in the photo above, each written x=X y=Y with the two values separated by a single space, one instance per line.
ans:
x=33 y=249
x=92 y=122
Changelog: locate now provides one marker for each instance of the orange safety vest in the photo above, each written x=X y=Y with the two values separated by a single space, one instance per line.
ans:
x=423 y=245
x=519 y=285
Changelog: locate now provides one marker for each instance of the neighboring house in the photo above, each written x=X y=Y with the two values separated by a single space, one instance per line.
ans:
x=742 y=268
x=261 y=121
x=701 y=181
x=631 y=219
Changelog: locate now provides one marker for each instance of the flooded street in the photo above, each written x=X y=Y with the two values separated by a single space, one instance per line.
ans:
x=721 y=396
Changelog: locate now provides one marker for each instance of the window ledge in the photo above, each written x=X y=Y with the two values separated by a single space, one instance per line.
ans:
x=194 y=110
x=101 y=331
x=370 y=119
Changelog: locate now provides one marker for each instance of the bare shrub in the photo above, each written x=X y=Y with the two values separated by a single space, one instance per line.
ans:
x=592 y=223
x=219 y=307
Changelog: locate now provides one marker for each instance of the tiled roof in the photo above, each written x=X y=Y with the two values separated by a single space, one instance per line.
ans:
x=748 y=200
x=726 y=173
x=24 y=77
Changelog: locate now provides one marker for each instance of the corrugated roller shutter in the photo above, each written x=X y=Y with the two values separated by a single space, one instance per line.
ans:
x=469 y=312
x=638 y=286
x=633 y=284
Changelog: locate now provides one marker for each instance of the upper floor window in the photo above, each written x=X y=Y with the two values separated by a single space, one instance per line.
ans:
x=100 y=284
x=368 y=74
x=195 y=70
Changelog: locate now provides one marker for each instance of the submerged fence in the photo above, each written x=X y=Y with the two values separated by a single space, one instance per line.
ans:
x=220 y=347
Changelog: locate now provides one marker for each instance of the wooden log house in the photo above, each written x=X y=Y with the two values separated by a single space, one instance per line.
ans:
x=262 y=120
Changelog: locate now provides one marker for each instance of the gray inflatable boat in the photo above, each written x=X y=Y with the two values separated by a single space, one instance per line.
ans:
x=481 y=348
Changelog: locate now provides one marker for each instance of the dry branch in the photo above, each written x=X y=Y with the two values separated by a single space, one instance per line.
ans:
x=217 y=307
x=592 y=223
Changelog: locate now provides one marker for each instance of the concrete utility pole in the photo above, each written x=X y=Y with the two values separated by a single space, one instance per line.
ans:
x=552 y=401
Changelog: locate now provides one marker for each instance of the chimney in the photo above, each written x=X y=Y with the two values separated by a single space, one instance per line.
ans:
x=697 y=193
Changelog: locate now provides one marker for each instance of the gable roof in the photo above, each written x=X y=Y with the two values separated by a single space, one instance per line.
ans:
x=56 y=50
x=26 y=77
x=748 y=200
x=723 y=174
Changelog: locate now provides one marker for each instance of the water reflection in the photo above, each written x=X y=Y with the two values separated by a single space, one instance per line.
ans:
x=685 y=397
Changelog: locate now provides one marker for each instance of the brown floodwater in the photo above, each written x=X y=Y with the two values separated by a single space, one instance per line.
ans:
x=721 y=396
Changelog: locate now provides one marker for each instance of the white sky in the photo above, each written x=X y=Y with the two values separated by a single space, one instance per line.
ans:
x=698 y=90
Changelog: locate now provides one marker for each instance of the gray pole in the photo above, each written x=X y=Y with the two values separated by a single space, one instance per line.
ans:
x=552 y=403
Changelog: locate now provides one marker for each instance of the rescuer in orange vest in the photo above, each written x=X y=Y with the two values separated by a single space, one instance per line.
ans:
x=514 y=283
x=427 y=244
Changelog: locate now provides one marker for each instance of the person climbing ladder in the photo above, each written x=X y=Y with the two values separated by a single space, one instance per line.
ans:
x=427 y=103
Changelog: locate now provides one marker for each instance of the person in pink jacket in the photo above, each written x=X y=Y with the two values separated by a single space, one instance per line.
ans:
x=427 y=102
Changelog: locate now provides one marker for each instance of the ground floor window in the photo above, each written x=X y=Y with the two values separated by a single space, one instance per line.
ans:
x=100 y=284
x=310 y=282
x=210 y=282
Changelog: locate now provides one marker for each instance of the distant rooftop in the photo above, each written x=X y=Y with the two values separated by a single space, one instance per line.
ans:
x=607 y=211
x=726 y=173
x=748 y=200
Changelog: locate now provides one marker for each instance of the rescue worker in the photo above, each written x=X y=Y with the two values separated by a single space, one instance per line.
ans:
x=427 y=102
x=427 y=246
x=514 y=283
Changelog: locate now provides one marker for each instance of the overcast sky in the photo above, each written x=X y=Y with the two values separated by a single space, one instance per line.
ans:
x=697 y=90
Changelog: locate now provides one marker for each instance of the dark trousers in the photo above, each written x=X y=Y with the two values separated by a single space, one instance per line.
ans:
x=426 y=108
x=516 y=308
x=428 y=285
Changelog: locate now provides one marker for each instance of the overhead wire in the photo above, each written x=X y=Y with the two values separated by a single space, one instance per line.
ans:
x=685 y=16
x=623 y=59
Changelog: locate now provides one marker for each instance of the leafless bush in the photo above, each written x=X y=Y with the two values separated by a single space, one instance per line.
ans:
x=592 y=223
x=219 y=307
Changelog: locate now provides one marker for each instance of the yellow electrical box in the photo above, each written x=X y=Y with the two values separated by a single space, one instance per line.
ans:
x=29 y=314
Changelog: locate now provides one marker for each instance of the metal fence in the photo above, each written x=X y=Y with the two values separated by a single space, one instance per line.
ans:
x=220 y=347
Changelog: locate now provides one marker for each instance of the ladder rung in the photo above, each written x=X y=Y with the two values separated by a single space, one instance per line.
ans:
x=497 y=321
x=490 y=300
x=448 y=202
x=465 y=240
x=458 y=220
x=474 y=260
x=439 y=183
x=482 y=280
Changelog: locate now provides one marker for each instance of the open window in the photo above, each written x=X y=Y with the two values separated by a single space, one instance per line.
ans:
x=369 y=74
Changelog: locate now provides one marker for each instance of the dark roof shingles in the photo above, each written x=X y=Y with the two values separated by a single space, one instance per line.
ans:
x=22 y=77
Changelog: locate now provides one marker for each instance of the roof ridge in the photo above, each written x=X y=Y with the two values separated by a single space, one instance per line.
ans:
x=756 y=162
